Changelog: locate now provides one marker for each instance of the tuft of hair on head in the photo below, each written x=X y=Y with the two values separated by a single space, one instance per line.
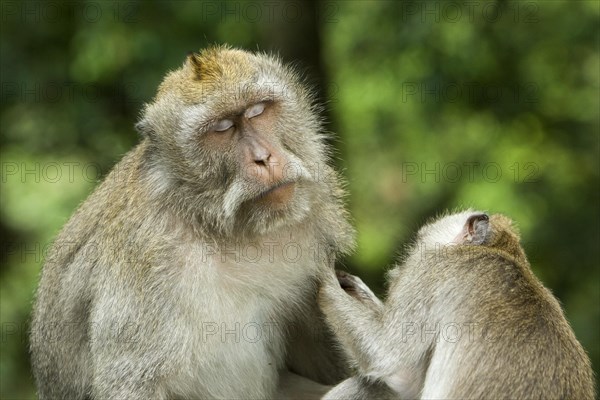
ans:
x=194 y=65
x=204 y=64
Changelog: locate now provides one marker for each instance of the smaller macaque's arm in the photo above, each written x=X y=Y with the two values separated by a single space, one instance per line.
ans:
x=355 y=315
x=370 y=331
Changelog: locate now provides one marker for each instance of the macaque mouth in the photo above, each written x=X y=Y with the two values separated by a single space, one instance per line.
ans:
x=279 y=193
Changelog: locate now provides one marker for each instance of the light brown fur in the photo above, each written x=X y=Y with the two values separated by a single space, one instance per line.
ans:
x=150 y=290
x=464 y=318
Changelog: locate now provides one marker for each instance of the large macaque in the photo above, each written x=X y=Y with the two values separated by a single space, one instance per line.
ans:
x=191 y=271
x=465 y=318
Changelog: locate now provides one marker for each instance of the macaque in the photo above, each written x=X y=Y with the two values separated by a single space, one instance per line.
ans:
x=192 y=270
x=464 y=317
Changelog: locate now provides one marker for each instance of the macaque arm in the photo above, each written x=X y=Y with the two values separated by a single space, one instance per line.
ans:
x=371 y=333
x=355 y=321
x=312 y=352
x=296 y=387
x=128 y=357
x=359 y=388
x=111 y=382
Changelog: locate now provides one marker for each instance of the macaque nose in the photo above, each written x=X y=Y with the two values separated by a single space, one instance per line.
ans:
x=260 y=154
x=265 y=164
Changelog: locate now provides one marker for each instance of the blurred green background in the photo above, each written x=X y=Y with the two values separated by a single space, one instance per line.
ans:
x=435 y=105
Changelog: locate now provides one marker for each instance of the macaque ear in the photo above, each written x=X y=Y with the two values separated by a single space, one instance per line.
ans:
x=475 y=230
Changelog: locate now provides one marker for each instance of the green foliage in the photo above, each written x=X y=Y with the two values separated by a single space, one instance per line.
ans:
x=437 y=105
x=439 y=109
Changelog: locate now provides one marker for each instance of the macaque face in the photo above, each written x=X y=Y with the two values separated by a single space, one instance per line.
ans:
x=245 y=136
x=267 y=179
x=262 y=160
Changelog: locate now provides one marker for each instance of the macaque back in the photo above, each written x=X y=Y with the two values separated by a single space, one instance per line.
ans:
x=464 y=318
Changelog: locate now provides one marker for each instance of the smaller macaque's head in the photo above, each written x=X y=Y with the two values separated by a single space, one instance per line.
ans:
x=236 y=138
x=472 y=228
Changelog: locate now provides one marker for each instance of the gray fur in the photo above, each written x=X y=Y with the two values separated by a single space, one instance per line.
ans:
x=154 y=289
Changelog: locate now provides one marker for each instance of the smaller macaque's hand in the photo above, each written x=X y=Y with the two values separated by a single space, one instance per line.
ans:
x=355 y=287
x=327 y=279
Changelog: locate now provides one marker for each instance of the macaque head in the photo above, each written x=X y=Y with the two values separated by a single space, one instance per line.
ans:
x=236 y=138
x=472 y=228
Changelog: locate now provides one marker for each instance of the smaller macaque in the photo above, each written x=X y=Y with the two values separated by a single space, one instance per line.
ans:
x=465 y=317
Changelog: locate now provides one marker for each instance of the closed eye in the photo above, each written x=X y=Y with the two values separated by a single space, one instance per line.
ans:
x=223 y=125
x=255 y=110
